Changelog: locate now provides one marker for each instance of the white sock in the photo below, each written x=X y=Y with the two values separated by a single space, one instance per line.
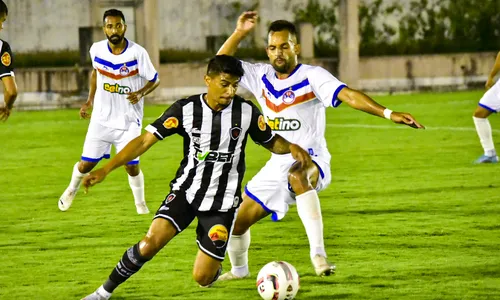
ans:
x=483 y=129
x=137 y=186
x=76 y=178
x=309 y=211
x=237 y=250
x=101 y=291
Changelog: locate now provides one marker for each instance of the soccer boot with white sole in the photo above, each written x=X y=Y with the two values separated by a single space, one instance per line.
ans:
x=485 y=159
x=230 y=276
x=322 y=266
x=142 y=208
x=66 y=199
x=95 y=296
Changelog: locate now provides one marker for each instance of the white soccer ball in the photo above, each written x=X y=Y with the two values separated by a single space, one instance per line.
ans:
x=278 y=280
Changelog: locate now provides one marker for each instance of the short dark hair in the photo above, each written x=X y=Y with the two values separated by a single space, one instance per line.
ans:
x=3 y=8
x=225 y=64
x=280 y=25
x=112 y=13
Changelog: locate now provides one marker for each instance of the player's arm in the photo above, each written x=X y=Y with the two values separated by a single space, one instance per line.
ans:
x=133 y=149
x=8 y=81
x=246 y=22
x=90 y=99
x=279 y=145
x=360 y=101
x=493 y=73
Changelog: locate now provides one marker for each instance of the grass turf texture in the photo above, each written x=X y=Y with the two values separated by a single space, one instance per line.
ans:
x=407 y=216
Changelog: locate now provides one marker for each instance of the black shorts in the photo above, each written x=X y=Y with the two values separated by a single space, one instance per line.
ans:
x=214 y=227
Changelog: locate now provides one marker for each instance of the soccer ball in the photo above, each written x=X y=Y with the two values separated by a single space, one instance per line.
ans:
x=278 y=280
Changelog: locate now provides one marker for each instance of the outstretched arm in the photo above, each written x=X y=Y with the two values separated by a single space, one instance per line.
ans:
x=494 y=71
x=246 y=22
x=358 y=100
x=134 y=148
x=279 y=145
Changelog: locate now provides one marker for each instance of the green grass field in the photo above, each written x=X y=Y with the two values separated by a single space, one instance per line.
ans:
x=407 y=216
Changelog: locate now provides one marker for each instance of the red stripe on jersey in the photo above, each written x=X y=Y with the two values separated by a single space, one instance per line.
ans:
x=117 y=76
x=298 y=100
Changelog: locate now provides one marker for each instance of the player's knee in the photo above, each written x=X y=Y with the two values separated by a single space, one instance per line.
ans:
x=132 y=170
x=150 y=245
x=298 y=179
x=202 y=277
x=86 y=166
x=481 y=112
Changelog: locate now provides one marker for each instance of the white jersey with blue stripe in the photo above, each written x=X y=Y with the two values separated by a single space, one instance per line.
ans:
x=118 y=75
x=295 y=107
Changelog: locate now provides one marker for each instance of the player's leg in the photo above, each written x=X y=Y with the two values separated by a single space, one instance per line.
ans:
x=159 y=234
x=94 y=149
x=249 y=213
x=173 y=216
x=483 y=129
x=213 y=232
x=135 y=175
x=303 y=181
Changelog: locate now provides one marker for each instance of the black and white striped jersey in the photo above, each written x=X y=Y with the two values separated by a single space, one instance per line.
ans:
x=6 y=60
x=214 y=148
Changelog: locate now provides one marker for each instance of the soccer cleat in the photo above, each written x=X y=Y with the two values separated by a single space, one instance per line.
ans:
x=142 y=208
x=95 y=296
x=322 y=266
x=66 y=199
x=230 y=276
x=485 y=159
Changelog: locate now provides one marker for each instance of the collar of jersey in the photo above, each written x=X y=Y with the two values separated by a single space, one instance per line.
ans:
x=290 y=75
x=124 y=49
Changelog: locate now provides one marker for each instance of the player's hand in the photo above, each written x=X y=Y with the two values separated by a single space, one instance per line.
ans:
x=300 y=155
x=4 y=113
x=246 y=21
x=134 y=97
x=406 y=119
x=83 y=110
x=489 y=83
x=93 y=178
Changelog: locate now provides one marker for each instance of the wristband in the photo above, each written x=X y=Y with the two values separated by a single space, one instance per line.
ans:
x=387 y=113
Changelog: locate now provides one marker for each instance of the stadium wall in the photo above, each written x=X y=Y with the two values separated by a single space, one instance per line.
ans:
x=64 y=87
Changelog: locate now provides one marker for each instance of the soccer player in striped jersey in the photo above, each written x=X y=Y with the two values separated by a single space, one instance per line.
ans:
x=122 y=75
x=293 y=98
x=207 y=186
x=6 y=70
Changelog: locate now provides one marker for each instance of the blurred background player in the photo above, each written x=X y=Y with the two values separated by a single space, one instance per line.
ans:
x=489 y=103
x=215 y=126
x=122 y=75
x=293 y=98
x=6 y=70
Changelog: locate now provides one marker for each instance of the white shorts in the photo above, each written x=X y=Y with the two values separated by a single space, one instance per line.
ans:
x=491 y=99
x=270 y=186
x=100 y=138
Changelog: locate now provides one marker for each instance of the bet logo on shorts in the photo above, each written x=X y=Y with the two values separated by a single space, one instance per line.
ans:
x=219 y=235
x=171 y=122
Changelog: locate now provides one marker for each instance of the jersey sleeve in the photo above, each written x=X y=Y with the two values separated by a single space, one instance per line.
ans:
x=170 y=122
x=326 y=86
x=251 y=77
x=146 y=68
x=6 y=67
x=259 y=131
x=92 y=53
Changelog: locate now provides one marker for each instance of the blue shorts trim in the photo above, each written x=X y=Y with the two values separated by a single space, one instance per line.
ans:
x=134 y=162
x=274 y=216
x=487 y=107
x=95 y=160
x=321 y=173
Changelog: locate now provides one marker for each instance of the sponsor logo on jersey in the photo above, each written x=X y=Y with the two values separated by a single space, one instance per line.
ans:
x=261 y=123
x=116 y=88
x=124 y=70
x=213 y=156
x=288 y=97
x=6 y=59
x=171 y=122
x=282 y=124
x=219 y=235
x=235 y=132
